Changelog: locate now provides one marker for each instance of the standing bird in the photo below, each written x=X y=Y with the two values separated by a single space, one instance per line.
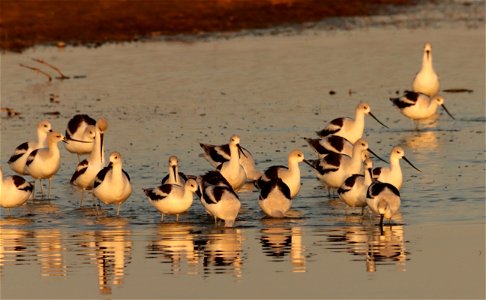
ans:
x=112 y=183
x=290 y=175
x=393 y=173
x=18 y=160
x=274 y=199
x=350 y=129
x=14 y=191
x=333 y=169
x=218 y=154
x=86 y=170
x=174 y=176
x=426 y=81
x=383 y=199
x=418 y=106
x=232 y=170
x=171 y=198
x=353 y=190
x=80 y=134
x=331 y=143
x=218 y=198
x=44 y=163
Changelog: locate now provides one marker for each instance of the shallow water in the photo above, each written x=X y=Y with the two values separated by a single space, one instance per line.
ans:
x=164 y=98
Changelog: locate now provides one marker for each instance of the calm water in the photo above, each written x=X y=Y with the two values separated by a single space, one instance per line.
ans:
x=164 y=98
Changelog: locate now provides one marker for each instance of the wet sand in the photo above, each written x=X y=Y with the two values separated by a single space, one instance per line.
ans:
x=91 y=22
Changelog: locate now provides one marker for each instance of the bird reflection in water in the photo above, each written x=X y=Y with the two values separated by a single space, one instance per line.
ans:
x=279 y=238
x=363 y=239
x=15 y=242
x=223 y=252
x=50 y=252
x=422 y=140
x=110 y=248
x=175 y=241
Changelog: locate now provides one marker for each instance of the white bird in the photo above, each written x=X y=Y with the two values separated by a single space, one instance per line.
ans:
x=393 y=173
x=174 y=176
x=274 y=199
x=218 y=198
x=353 y=190
x=172 y=199
x=86 y=171
x=426 y=81
x=333 y=169
x=331 y=143
x=290 y=175
x=80 y=134
x=112 y=183
x=232 y=170
x=418 y=106
x=14 y=191
x=218 y=154
x=383 y=199
x=18 y=160
x=44 y=163
x=350 y=129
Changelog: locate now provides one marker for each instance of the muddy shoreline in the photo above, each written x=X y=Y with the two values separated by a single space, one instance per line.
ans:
x=94 y=22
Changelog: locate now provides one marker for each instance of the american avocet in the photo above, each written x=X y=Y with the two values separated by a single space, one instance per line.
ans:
x=232 y=170
x=172 y=199
x=14 y=191
x=44 y=163
x=174 y=176
x=393 y=173
x=290 y=175
x=87 y=169
x=112 y=183
x=274 y=199
x=348 y=128
x=18 y=160
x=426 y=80
x=418 y=106
x=80 y=134
x=331 y=143
x=218 y=154
x=218 y=197
x=333 y=169
x=383 y=199
x=353 y=190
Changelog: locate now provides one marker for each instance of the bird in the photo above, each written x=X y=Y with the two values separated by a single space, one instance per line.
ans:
x=14 y=191
x=350 y=129
x=80 y=134
x=383 y=199
x=218 y=154
x=274 y=199
x=18 y=160
x=393 y=173
x=426 y=80
x=112 y=183
x=174 y=176
x=353 y=190
x=86 y=171
x=232 y=170
x=44 y=163
x=331 y=143
x=418 y=106
x=171 y=198
x=218 y=198
x=290 y=175
x=333 y=169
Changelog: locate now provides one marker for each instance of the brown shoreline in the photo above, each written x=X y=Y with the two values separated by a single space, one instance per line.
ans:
x=25 y=23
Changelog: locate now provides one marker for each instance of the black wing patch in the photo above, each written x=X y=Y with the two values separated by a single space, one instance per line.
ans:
x=31 y=157
x=75 y=121
x=19 y=152
x=80 y=170
x=100 y=176
x=338 y=123
x=376 y=172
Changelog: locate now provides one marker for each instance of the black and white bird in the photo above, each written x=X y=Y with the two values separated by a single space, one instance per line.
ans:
x=171 y=198
x=274 y=199
x=426 y=80
x=174 y=176
x=80 y=134
x=330 y=144
x=393 y=173
x=383 y=199
x=14 y=191
x=112 y=183
x=218 y=197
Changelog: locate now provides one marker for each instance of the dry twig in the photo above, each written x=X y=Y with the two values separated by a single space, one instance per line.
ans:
x=37 y=70
x=52 y=67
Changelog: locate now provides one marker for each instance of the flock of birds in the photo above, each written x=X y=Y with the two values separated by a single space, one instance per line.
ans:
x=341 y=154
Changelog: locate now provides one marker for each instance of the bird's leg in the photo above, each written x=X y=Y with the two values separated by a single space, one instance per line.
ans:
x=381 y=224
x=161 y=217
x=41 y=188
x=177 y=217
x=118 y=209
x=49 y=188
